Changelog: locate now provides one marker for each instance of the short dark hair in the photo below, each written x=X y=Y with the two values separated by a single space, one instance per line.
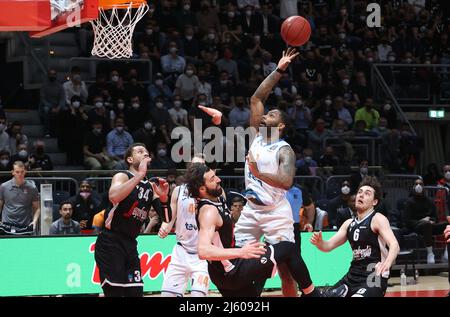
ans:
x=373 y=182
x=66 y=202
x=195 y=178
x=237 y=199
x=130 y=150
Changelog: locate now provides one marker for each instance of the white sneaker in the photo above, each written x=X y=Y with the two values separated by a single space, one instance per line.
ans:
x=430 y=258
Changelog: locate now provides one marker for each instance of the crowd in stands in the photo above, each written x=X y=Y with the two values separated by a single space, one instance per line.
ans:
x=216 y=54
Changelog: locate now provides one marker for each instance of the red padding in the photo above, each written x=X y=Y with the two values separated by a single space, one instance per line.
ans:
x=24 y=15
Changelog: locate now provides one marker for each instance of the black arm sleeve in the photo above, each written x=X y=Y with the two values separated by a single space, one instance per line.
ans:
x=163 y=210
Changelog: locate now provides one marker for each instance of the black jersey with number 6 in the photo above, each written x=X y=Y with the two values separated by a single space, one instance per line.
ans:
x=128 y=216
x=368 y=249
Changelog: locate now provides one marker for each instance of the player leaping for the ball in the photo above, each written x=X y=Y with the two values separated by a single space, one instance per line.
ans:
x=269 y=173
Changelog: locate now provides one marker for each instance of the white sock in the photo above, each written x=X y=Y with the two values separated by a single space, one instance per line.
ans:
x=197 y=294
x=429 y=250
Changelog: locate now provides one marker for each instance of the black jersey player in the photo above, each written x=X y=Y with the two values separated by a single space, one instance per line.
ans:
x=132 y=196
x=237 y=272
x=369 y=234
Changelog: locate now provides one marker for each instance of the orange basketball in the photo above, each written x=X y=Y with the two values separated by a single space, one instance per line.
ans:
x=295 y=30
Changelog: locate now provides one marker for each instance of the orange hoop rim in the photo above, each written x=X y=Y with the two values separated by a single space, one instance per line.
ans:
x=120 y=4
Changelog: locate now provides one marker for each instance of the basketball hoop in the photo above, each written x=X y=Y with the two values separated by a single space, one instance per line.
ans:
x=114 y=27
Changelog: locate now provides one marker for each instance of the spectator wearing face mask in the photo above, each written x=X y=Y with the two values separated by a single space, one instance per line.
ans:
x=421 y=217
x=118 y=140
x=207 y=18
x=97 y=87
x=136 y=114
x=185 y=15
x=382 y=129
x=52 y=100
x=162 y=159
x=94 y=149
x=85 y=206
x=99 y=113
x=73 y=122
x=134 y=87
x=4 y=136
x=356 y=178
x=148 y=135
x=159 y=89
x=338 y=203
x=75 y=86
x=172 y=63
x=16 y=136
x=347 y=212
x=251 y=21
x=178 y=114
x=224 y=88
x=39 y=160
x=116 y=86
x=387 y=111
x=187 y=85
x=21 y=155
x=5 y=165
x=306 y=165
x=161 y=120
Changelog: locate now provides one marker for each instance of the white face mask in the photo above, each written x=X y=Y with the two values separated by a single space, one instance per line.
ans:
x=149 y=31
x=119 y=129
x=345 y=82
x=248 y=13
x=98 y=104
x=370 y=59
x=257 y=67
x=387 y=107
x=190 y=72
x=162 y=152
x=186 y=7
x=4 y=162
x=345 y=190
x=391 y=58
x=447 y=175
x=135 y=105
x=364 y=170
x=418 y=189
x=189 y=37
x=224 y=82
x=121 y=105
x=159 y=105
x=76 y=104
x=115 y=78
x=177 y=103
x=342 y=36
x=328 y=102
x=2 y=127
x=211 y=36
x=148 y=126
x=308 y=159
x=23 y=153
x=231 y=14
x=299 y=102
x=173 y=50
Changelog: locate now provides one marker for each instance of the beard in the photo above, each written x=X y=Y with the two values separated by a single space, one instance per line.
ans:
x=214 y=192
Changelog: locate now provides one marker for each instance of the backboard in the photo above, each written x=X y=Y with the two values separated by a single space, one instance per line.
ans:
x=44 y=17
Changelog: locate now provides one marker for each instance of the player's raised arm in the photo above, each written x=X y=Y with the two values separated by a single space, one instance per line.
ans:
x=264 y=89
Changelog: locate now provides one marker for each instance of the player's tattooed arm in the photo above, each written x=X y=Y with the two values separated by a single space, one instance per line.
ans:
x=286 y=169
x=264 y=89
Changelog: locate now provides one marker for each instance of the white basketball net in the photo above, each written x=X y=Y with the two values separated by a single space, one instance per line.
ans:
x=113 y=31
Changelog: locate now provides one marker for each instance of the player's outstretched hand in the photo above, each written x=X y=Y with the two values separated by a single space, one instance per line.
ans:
x=215 y=114
x=288 y=56
x=253 y=250
x=380 y=268
x=161 y=189
x=316 y=238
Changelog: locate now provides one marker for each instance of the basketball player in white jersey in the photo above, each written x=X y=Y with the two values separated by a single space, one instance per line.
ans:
x=185 y=264
x=269 y=174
